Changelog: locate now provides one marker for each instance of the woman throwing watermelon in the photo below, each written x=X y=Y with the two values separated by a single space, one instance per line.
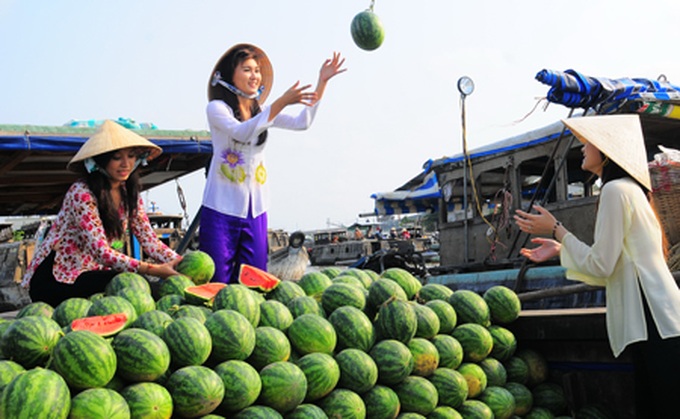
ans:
x=627 y=257
x=85 y=246
x=235 y=200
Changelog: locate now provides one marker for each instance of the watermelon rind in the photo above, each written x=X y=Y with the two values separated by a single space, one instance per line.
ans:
x=36 y=393
x=84 y=359
x=141 y=355
x=99 y=403
x=196 y=391
x=148 y=400
x=322 y=372
x=284 y=386
x=381 y=402
x=242 y=385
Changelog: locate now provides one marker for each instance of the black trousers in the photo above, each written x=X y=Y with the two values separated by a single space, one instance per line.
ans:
x=44 y=287
x=657 y=373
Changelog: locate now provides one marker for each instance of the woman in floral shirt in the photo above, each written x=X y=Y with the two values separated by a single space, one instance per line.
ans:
x=235 y=199
x=84 y=247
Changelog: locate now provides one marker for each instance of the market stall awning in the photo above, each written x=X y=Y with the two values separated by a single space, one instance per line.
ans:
x=33 y=174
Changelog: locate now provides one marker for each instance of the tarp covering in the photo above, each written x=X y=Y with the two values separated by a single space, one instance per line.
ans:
x=575 y=90
x=422 y=197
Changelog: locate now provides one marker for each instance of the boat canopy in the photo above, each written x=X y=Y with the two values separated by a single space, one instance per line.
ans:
x=33 y=159
x=654 y=100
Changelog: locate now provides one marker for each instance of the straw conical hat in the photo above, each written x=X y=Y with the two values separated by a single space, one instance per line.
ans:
x=619 y=137
x=111 y=136
x=266 y=71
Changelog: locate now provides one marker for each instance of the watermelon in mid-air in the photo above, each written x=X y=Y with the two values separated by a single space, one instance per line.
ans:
x=367 y=30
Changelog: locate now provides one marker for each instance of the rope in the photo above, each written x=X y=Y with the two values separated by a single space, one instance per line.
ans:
x=182 y=200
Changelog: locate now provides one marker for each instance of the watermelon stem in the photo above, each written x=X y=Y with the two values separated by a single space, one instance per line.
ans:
x=371 y=6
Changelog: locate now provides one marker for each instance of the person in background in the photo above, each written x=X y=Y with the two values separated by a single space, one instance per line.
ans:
x=405 y=235
x=85 y=246
x=358 y=235
x=393 y=233
x=235 y=200
x=627 y=258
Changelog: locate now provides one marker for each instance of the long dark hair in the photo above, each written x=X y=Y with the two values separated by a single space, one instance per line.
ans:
x=612 y=171
x=227 y=67
x=100 y=186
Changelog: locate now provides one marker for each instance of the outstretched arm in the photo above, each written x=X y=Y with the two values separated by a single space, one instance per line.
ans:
x=330 y=68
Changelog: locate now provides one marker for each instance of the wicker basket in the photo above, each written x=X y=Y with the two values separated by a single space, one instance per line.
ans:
x=666 y=194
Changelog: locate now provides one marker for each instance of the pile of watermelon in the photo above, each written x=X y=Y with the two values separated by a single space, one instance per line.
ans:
x=340 y=343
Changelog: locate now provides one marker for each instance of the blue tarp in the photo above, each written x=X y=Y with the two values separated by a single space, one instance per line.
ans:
x=422 y=197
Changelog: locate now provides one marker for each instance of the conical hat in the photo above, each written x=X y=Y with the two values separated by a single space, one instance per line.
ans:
x=619 y=137
x=111 y=136
x=266 y=71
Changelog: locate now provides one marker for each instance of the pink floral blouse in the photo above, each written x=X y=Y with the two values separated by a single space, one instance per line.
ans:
x=77 y=236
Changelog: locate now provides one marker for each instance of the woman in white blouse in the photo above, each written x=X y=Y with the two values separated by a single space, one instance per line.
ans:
x=626 y=257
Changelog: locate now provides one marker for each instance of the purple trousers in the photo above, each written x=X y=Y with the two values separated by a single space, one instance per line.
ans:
x=232 y=241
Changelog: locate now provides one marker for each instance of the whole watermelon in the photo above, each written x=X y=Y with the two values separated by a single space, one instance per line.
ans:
x=198 y=266
x=239 y=298
x=450 y=351
x=500 y=401
x=367 y=30
x=358 y=371
x=451 y=386
x=284 y=386
x=242 y=385
x=417 y=395
x=504 y=304
x=311 y=333
x=148 y=400
x=84 y=359
x=233 y=336
x=127 y=279
x=71 y=309
x=195 y=391
x=271 y=345
x=343 y=403
x=322 y=372
x=188 y=341
x=470 y=307
x=353 y=328
x=275 y=314
x=36 y=393
x=141 y=355
x=155 y=321
x=8 y=370
x=99 y=403
x=307 y=411
x=425 y=356
x=314 y=283
x=394 y=361
x=29 y=340
x=381 y=403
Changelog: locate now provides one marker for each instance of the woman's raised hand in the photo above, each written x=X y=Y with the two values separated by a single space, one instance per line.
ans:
x=299 y=94
x=332 y=67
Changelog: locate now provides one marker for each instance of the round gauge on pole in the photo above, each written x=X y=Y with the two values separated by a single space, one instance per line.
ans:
x=465 y=85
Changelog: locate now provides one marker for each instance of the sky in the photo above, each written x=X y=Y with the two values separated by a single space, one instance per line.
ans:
x=394 y=109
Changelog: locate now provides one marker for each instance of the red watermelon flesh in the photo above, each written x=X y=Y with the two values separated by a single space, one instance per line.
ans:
x=253 y=277
x=205 y=292
x=106 y=325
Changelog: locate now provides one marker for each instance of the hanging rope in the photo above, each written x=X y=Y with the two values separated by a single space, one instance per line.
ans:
x=182 y=201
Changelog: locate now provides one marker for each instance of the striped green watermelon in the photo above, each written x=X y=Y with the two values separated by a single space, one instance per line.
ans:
x=141 y=301
x=358 y=371
x=29 y=340
x=381 y=403
x=275 y=314
x=242 y=385
x=141 y=355
x=542 y=413
x=444 y=412
x=148 y=400
x=537 y=365
x=314 y=283
x=307 y=411
x=339 y=294
x=37 y=308
x=196 y=391
x=367 y=30
x=446 y=314
x=175 y=285
x=450 y=351
x=188 y=341
x=258 y=412
x=199 y=313
x=154 y=321
x=233 y=336
x=127 y=279
x=504 y=342
x=286 y=291
x=348 y=279
x=504 y=305
x=500 y=401
x=524 y=400
x=451 y=386
x=4 y=325
x=70 y=309
x=475 y=340
x=99 y=403
x=595 y=411
x=433 y=291
x=271 y=345
x=284 y=386
x=198 y=266
x=353 y=328
x=425 y=356
x=361 y=274
x=112 y=304
x=495 y=372
x=417 y=394
x=343 y=403
x=305 y=304
x=322 y=372
x=428 y=321
x=312 y=333
x=382 y=290
x=550 y=396
x=331 y=271
x=239 y=298
x=8 y=370
x=517 y=370
x=36 y=393
x=475 y=409
x=394 y=361
x=169 y=303
x=397 y=319
x=475 y=377
x=84 y=359
x=409 y=283
x=470 y=307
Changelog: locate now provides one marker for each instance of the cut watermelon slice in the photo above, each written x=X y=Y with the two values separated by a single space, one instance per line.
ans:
x=203 y=294
x=253 y=277
x=106 y=325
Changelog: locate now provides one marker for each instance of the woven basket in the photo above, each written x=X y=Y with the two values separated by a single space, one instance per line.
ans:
x=666 y=194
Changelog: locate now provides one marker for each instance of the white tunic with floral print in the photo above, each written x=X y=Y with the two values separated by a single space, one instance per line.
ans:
x=238 y=173
x=77 y=236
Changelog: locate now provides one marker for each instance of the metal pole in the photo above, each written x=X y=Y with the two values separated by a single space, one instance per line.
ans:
x=465 y=182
